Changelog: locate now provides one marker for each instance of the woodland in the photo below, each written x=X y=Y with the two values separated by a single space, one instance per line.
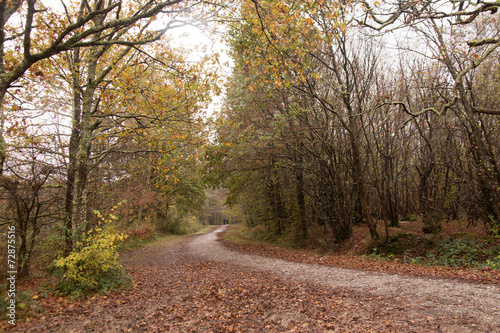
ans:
x=335 y=116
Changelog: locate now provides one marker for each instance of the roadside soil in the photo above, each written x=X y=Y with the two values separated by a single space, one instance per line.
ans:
x=200 y=285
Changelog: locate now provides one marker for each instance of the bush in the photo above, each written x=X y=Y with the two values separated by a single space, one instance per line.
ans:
x=94 y=267
x=179 y=224
x=137 y=238
x=493 y=263
x=179 y=227
x=144 y=234
x=24 y=301
x=464 y=252
x=401 y=244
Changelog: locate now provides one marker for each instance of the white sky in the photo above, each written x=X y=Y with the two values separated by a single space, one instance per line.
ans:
x=199 y=44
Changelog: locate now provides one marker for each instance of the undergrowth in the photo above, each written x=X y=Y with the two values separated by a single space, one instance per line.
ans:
x=462 y=252
x=24 y=301
x=137 y=238
x=458 y=250
x=93 y=266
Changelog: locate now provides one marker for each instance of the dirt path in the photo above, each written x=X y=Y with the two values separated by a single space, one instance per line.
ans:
x=201 y=286
x=436 y=297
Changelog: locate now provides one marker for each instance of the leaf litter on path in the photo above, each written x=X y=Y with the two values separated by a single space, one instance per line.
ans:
x=177 y=289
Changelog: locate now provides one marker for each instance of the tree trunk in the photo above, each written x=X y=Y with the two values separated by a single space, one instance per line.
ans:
x=83 y=157
x=73 y=149
x=391 y=208
x=359 y=177
x=299 y=178
x=86 y=128
x=3 y=144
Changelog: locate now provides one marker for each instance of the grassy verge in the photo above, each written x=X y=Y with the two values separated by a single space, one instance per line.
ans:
x=236 y=233
x=170 y=240
x=155 y=240
x=204 y=230
x=167 y=240
x=138 y=254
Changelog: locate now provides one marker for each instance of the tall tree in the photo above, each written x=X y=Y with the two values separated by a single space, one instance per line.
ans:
x=443 y=25
x=41 y=33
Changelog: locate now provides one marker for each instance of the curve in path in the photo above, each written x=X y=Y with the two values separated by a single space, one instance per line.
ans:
x=443 y=296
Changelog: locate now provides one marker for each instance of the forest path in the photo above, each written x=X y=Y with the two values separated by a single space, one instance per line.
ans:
x=435 y=297
x=201 y=286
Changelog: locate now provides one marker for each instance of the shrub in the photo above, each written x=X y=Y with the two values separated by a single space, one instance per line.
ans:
x=493 y=263
x=179 y=224
x=137 y=238
x=402 y=244
x=24 y=301
x=144 y=233
x=465 y=252
x=459 y=252
x=93 y=267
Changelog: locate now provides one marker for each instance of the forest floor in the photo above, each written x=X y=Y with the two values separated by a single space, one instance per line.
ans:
x=200 y=285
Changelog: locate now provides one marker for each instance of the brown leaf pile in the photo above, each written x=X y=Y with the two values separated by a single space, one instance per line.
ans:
x=214 y=297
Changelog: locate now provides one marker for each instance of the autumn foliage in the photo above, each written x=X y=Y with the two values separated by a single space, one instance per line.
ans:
x=336 y=115
x=97 y=107
x=93 y=266
x=325 y=127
